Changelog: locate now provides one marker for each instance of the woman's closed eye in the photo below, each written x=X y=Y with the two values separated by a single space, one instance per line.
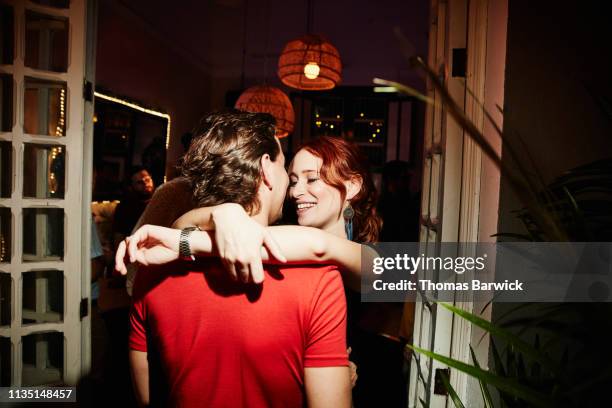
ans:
x=312 y=180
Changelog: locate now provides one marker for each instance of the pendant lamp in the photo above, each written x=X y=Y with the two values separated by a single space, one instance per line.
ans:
x=310 y=63
x=268 y=99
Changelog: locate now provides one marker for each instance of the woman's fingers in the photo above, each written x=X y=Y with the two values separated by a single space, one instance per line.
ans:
x=230 y=267
x=134 y=240
x=272 y=246
x=354 y=376
x=257 y=271
x=119 y=258
x=243 y=271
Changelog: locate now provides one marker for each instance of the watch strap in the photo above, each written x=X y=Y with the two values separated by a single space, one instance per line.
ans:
x=184 y=248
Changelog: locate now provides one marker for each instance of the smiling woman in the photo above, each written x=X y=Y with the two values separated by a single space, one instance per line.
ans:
x=328 y=179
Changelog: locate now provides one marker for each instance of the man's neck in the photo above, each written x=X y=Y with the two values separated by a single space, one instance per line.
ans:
x=261 y=217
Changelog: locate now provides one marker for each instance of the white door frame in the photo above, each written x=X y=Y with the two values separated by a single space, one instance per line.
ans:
x=460 y=186
x=75 y=264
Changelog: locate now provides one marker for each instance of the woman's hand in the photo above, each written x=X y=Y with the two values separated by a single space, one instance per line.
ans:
x=239 y=241
x=352 y=369
x=149 y=245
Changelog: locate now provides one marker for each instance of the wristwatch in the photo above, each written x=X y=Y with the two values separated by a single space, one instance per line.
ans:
x=184 y=248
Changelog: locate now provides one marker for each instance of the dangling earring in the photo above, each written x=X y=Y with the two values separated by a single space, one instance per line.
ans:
x=348 y=214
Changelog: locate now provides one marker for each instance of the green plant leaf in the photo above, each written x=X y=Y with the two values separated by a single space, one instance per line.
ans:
x=405 y=89
x=499 y=365
x=451 y=391
x=484 y=390
x=521 y=345
x=507 y=385
x=522 y=237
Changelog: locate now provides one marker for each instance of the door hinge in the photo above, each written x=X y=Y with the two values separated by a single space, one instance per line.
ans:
x=84 y=308
x=439 y=387
x=88 y=91
x=459 y=68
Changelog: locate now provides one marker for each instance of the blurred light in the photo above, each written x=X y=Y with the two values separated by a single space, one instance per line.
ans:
x=311 y=70
x=141 y=109
x=385 y=89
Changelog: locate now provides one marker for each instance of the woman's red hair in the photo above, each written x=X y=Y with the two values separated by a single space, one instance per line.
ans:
x=342 y=161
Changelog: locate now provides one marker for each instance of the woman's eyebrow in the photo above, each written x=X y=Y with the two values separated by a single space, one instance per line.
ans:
x=303 y=172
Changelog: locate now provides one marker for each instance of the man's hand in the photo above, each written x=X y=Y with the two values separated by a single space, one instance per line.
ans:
x=149 y=245
x=239 y=240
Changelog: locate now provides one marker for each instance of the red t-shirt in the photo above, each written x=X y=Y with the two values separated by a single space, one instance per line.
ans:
x=226 y=344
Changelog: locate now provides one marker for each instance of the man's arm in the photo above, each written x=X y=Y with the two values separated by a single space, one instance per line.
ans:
x=326 y=366
x=327 y=387
x=139 y=366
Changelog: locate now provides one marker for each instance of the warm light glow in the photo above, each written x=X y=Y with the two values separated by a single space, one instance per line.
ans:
x=59 y=129
x=311 y=70
x=384 y=89
x=141 y=109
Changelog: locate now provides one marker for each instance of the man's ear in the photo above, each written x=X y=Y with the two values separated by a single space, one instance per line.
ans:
x=267 y=175
x=353 y=187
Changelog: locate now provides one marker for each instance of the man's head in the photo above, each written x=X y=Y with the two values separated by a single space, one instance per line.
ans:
x=141 y=182
x=235 y=158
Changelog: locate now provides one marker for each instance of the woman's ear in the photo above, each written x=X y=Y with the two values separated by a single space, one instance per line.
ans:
x=353 y=187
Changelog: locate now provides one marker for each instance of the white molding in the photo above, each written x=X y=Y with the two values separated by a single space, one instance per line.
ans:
x=71 y=265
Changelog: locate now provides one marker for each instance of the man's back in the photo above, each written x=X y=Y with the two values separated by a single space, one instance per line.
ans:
x=225 y=344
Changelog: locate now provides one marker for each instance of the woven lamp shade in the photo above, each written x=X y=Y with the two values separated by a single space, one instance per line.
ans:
x=268 y=99
x=304 y=51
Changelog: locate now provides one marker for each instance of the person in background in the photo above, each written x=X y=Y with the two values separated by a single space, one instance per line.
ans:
x=169 y=201
x=133 y=204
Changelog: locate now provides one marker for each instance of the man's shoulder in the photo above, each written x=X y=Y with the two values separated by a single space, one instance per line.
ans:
x=176 y=185
x=150 y=278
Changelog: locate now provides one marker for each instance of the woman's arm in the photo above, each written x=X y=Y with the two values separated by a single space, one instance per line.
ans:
x=153 y=245
x=300 y=244
x=202 y=217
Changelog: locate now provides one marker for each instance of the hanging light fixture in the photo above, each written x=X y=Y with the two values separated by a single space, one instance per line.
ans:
x=268 y=99
x=310 y=63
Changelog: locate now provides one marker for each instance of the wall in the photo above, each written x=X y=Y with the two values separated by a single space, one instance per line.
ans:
x=184 y=58
x=135 y=62
x=555 y=56
x=556 y=53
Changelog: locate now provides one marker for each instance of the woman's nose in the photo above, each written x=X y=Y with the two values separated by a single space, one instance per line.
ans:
x=297 y=190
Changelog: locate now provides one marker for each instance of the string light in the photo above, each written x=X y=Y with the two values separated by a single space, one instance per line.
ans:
x=140 y=109
x=59 y=129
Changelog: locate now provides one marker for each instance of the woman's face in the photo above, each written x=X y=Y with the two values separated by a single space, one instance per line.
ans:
x=318 y=204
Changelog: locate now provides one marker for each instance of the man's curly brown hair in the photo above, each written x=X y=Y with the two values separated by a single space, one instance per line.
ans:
x=223 y=161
